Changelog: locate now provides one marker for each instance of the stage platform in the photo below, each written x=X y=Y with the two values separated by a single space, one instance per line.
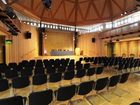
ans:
x=59 y=57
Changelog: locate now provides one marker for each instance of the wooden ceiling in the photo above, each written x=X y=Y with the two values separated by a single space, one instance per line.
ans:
x=74 y=12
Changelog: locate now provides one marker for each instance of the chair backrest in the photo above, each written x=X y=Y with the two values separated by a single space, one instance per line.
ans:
x=65 y=93
x=20 y=82
x=99 y=70
x=11 y=74
x=4 y=85
x=80 y=73
x=87 y=66
x=114 y=80
x=26 y=72
x=39 y=70
x=39 y=79
x=68 y=75
x=41 y=98
x=135 y=103
x=16 y=100
x=85 y=87
x=55 y=77
x=79 y=66
x=124 y=77
x=101 y=83
x=90 y=71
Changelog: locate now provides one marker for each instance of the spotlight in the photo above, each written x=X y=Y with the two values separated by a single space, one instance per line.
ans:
x=121 y=14
x=125 y=12
x=47 y=3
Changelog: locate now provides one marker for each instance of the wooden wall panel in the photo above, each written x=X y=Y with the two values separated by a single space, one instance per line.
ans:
x=139 y=48
x=117 y=48
x=128 y=48
x=124 y=48
x=21 y=48
x=133 y=48
x=58 y=40
x=88 y=47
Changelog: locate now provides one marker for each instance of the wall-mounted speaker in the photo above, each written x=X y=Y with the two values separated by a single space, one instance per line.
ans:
x=28 y=35
x=93 y=40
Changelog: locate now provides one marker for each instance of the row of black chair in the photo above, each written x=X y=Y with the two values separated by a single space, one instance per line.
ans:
x=67 y=92
x=21 y=82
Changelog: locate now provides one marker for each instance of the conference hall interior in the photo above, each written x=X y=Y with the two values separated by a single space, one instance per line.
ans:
x=69 y=52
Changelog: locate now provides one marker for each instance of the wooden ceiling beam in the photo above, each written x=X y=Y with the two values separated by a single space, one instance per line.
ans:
x=71 y=13
x=76 y=11
x=80 y=11
x=105 y=4
x=95 y=8
x=110 y=9
x=57 y=9
x=25 y=11
x=124 y=5
x=86 y=14
x=12 y=2
x=37 y=5
x=84 y=1
x=117 y=5
x=70 y=1
x=32 y=4
x=64 y=6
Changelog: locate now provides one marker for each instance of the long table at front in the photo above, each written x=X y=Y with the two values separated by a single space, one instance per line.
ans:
x=60 y=53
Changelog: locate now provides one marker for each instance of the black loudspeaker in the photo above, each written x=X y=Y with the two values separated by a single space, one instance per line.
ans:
x=93 y=40
x=47 y=3
x=138 y=0
x=28 y=35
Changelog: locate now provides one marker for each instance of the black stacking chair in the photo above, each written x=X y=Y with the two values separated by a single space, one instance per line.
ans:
x=90 y=72
x=3 y=67
x=85 y=87
x=99 y=70
x=0 y=75
x=79 y=66
x=70 y=67
x=38 y=71
x=80 y=74
x=87 y=66
x=124 y=78
x=4 y=85
x=41 y=98
x=12 y=66
x=65 y=93
x=26 y=71
x=50 y=69
x=55 y=77
x=61 y=69
x=113 y=81
x=9 y=74
x=16 y=100
x=101 y=84
x=69 y=75
x=39 y=80
x=20 y=82
x=80 y=59
x=135 y=103
x=32 y=63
